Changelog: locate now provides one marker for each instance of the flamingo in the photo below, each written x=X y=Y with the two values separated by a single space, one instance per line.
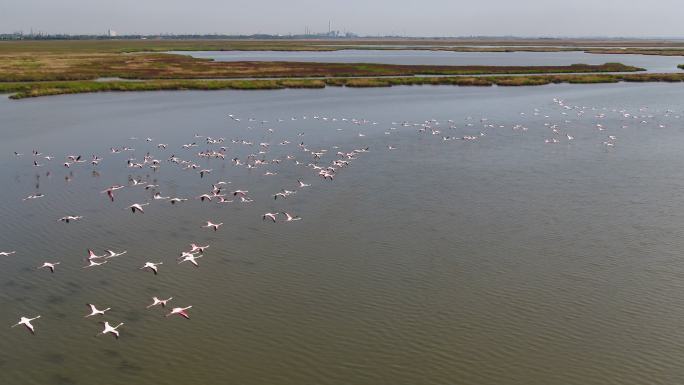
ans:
x=110 y=191
x=291 y=218
x=138 y=206
x=94 y=311
x=92 y=263
x=158 y=196
x=136 y=182
x=27 y=322
x=49 y=265
x=152 y=266
x=186 y=254
x=113 y=254
x=271 y=216
x=157 y=301
x=109 y=329
x=71 y=218
x=110 y=194
x=215 y=226
x=196 y=248
x=181 y=311
x=34 y=196
x=191 y=258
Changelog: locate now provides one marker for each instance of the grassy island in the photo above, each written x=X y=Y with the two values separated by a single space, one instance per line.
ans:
x=23 y=90
x=37 y=68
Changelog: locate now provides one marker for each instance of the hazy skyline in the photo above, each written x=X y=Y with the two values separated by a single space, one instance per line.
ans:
x=660 y=18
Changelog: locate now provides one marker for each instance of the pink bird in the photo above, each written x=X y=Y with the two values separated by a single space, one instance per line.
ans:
x=181 y=311
x=214 y=226
x=27 y=322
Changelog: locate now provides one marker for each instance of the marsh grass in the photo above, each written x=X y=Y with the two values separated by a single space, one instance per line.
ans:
x=34 y=89
x=60 y=67
x=38 y=68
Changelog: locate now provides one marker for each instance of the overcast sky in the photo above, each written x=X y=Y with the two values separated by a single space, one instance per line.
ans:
x=365 y=17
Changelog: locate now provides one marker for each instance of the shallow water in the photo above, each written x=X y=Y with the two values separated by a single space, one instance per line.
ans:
x=652 y=63
x=500 y=260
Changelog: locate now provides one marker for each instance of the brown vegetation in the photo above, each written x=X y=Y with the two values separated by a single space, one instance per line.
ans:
x=48 y=66
x=33 y=89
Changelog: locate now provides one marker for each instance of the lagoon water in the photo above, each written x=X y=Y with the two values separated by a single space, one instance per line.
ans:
x=652 y=63
x=500 y=260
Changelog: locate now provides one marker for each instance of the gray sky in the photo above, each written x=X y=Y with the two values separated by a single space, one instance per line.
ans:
x=365 y=17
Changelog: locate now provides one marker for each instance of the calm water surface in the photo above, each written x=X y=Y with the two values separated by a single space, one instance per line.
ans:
x=500 y=260
x=651 y=63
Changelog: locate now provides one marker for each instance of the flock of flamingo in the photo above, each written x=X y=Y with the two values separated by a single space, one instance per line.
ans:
x=319 y=161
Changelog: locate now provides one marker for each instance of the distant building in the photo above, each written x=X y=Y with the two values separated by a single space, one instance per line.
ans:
x=111 y=33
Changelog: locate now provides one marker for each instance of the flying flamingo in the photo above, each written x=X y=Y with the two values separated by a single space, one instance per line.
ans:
x=157 y=301
x=94 y=311
x=291 y=218
x=110 y=191
x=34 y=196
x=71 y=218
x=195 y=248
x=113 y=254
x=151 y=266
x=49 y=265
x=191 y=258
x=214 y=226
x=109 y=329
x=181 y=311
x=158 y=196
x=92 y=263
x=271 y=216
x=138 y=206
x=27 y=322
